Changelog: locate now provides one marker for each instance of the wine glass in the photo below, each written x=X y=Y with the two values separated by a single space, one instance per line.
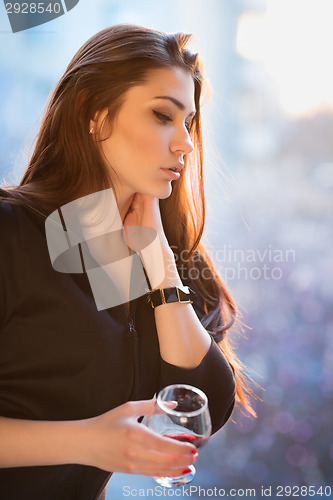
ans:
x=182 y=413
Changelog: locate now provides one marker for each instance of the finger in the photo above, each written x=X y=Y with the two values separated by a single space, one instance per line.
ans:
x=158 y=472
x=125 y=236
x=137 y=199
x=150 y=469
x=146 y=407
x=170 y=404
x=139 y=408
x=163 y=444
x=149 y=462
x=172 y=473
x=137 y=202
x=163 y=461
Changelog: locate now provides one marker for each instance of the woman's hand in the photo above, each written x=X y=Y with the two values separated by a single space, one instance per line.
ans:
x=144 y=233
x=144 y=211
x=117 y=442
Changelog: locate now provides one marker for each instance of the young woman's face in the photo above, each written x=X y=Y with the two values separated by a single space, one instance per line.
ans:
x=150 y=134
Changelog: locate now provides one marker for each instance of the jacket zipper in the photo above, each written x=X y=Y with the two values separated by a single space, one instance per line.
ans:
x=132 y=329
x=133 y=334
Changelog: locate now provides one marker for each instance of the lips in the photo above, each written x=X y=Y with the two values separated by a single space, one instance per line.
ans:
x=172 y=174
x=173 y=171
x=177 y=167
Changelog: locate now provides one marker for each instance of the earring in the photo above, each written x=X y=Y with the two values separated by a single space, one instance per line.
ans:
x=91 y=131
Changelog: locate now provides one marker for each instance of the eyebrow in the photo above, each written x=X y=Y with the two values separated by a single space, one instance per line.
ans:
x=179 y=104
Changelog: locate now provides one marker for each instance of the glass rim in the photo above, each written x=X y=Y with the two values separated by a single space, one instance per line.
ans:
x=176 y=413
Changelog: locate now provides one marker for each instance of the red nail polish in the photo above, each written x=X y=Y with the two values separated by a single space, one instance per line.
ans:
x=186 y=471
x=194 y=452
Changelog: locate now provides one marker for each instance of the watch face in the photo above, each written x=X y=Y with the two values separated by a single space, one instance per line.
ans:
x=171 y=295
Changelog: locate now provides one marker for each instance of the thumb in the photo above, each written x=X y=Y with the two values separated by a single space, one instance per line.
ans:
x=140 y=408
x=150 y=407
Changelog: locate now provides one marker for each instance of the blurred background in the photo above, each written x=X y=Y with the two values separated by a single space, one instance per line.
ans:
x=269 y=184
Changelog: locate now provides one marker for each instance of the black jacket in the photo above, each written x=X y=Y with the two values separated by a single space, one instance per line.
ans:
x=61 y=359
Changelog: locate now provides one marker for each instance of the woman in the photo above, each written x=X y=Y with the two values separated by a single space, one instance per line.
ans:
x=74 y=380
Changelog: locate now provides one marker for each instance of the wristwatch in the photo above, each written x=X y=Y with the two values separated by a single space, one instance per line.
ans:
x=182 y=294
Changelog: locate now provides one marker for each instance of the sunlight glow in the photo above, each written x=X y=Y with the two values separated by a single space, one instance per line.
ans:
x=293 y=40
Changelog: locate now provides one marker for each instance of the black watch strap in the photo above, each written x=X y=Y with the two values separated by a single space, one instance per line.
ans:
x=161 y=296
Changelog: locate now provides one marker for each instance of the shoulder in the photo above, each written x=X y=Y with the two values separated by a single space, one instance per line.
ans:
x=8 y=217
x=11 y=258
x=11 y=222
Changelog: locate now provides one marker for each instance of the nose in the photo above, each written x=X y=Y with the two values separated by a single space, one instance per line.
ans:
x=181 y=142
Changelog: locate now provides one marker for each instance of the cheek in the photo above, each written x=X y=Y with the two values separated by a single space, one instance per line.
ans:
x=142 y=138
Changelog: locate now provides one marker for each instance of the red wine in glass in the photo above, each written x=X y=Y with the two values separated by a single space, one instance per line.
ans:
x=189 y=438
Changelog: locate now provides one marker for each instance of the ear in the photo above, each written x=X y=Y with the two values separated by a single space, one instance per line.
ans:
x=96 y=123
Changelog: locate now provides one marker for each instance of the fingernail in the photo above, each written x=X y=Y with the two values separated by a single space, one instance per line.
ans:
x=196 y=455
x=194 y=452
x=186 y=471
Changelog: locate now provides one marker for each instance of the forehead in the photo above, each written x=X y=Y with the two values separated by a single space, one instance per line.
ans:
x=174 y=82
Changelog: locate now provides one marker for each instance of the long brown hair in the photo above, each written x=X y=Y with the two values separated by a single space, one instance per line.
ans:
x=67 y=163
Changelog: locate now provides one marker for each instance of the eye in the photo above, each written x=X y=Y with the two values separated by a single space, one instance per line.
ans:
x=189 y=124
x=164 y=119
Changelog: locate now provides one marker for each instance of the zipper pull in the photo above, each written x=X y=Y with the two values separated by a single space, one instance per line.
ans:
x=131 y=326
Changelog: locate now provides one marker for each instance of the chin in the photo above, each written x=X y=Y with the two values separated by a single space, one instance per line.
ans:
x=162 y=192
x=165 y=193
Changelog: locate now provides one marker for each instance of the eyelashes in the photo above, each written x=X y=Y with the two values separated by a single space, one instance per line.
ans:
x=165 y=119
x=162 y=117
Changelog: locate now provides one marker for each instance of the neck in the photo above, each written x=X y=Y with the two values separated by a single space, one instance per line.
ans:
x=124 y=203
